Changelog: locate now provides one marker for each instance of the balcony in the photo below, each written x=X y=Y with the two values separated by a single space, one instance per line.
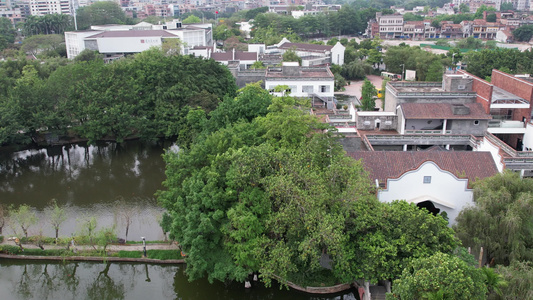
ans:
x=506 y=127
x=437 y=131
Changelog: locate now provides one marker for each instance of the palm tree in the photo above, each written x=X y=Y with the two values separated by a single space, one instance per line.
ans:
x=494 y=281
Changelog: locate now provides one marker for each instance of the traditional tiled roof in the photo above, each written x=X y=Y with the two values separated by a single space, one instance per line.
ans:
x=306 y=47
x=442 y=111
x=383 y=165
x=132 y=33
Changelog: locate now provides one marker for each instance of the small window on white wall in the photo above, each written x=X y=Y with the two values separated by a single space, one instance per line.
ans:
x=476 y=122
x=427 y=179
x=307 y=88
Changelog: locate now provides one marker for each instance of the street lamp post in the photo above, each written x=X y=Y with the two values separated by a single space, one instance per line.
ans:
x=144 y=246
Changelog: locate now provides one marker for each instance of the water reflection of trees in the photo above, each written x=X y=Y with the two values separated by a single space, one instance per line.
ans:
x=77 y=173
x=88 y=280
x=104 y=287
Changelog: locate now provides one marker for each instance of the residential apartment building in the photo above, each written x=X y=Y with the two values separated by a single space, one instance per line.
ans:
x=47 y=7
x=390 y=26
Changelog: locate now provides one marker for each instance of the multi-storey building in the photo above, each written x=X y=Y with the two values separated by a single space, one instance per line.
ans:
x=47 y=7
x=390 y=26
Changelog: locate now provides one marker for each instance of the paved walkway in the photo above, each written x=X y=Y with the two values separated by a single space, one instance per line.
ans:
x=112 y=248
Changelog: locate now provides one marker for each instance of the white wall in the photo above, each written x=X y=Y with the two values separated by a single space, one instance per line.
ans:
x=446 y=191
x=127 y=44
x=486 y=145
x=528 y=136
x=337 y=54
x=297 y=86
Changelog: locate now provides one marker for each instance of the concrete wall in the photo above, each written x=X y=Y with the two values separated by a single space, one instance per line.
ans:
x=423 y=124
x=468 y=127
x=457 y=83
x=446 y=191
x=528 y=136
x=386 y=122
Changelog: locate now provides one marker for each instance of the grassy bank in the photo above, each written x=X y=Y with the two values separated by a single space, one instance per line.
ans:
x=151 y=254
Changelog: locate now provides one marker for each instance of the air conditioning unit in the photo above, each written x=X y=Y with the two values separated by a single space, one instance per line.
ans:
x=461 y=87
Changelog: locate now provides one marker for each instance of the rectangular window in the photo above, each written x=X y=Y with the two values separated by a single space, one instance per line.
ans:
x=307 y=89
x=427 y=179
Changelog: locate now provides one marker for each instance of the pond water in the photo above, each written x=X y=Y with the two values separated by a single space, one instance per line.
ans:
x=56 y=280
x=92 y=181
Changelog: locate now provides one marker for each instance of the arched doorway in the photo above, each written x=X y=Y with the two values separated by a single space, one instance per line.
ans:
x=429 y=206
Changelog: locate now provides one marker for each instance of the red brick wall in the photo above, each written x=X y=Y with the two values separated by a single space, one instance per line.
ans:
x=517 y=86
x=483 y=90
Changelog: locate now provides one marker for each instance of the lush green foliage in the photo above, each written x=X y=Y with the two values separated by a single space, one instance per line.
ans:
x=192 y=19
x=348 y=20
x=101 y=13
x=152 y=254
x=368 y=92
x=446 y=273
x=413 y=58
x=47 y=24
x=386 y=236
x=523 y=33
x=356 y=70
x=501 y=221
x=22 y=217
x=148 y=95
x=275 y=195
x=519 y=278
x=481 y=63
x=7 y=33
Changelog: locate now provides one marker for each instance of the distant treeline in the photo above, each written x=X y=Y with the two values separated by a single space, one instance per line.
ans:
x=147 y=95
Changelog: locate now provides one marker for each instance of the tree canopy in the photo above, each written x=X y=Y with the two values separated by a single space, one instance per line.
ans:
x=442 y=274
x=501 y=220
x=100 y=13
x=273 y=193
x=147 y=95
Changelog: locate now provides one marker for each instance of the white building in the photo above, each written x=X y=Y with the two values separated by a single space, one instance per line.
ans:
x=47 y=7
x=311 y=54
x=126 y=39
x=306 y=82
x=436 y=180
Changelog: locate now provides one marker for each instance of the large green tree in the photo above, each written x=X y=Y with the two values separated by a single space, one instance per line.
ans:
x=387 y=236
x=523 y=33
x=444 y=273
x=270 y=195
x=100 y=13
x=7 y=33
x=501 y=220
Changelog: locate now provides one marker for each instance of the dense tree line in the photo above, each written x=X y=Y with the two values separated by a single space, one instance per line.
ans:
x=147 y=95
x=514 y=61
x=264 y=189
x=347 y=20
